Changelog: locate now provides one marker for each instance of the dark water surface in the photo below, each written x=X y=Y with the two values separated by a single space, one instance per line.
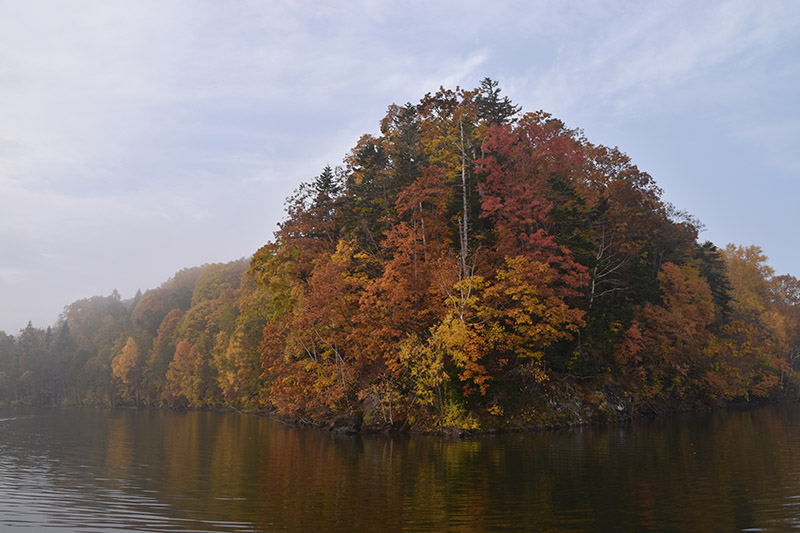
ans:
x=100 y=470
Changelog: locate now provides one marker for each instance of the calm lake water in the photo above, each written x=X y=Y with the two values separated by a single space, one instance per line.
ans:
x=99 y=470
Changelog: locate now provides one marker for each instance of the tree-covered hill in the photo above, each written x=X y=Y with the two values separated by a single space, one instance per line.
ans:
x=471 y=267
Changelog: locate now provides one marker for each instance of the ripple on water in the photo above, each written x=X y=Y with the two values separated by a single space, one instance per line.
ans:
x=93 y=471
x=38 y=491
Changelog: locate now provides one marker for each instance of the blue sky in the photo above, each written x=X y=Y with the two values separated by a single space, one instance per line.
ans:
x=141 y=137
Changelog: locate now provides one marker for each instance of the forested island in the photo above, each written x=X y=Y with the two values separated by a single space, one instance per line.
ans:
x=471 y=268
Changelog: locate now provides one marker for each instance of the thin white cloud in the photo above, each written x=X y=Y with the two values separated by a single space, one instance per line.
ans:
x=78 y=85
x=11 y=275
x=140 y=137
x=636 y=59
x=780 y=140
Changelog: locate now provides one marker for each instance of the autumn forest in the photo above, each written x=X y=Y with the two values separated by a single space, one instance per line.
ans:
x=471 y=268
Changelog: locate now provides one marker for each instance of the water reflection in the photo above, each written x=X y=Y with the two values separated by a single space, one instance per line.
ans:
x=95 y=470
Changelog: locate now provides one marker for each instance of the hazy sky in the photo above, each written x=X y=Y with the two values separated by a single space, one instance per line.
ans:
x=141 y=137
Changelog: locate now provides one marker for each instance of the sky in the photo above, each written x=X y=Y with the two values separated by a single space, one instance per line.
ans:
x=141 y=137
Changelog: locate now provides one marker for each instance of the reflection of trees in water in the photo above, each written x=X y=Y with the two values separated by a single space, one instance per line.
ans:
x=715 y=471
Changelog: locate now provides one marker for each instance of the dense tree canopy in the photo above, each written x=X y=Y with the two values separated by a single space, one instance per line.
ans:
x=471 y=267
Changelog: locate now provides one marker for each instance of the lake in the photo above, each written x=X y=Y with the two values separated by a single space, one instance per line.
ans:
x=121 y=470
